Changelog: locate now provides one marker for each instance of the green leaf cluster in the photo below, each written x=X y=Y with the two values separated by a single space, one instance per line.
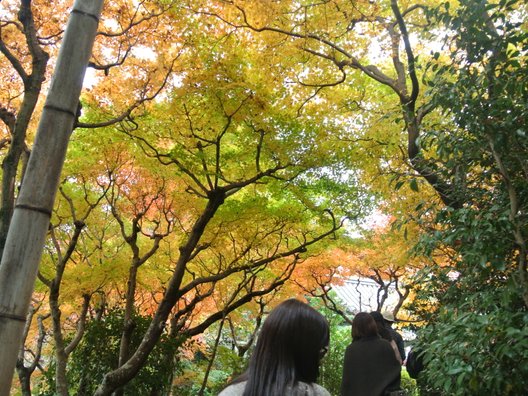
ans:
x=476 y=348
x=476 y=296
x=98 y=351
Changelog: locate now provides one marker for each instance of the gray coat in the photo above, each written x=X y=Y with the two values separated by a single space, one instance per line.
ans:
x=301 y=389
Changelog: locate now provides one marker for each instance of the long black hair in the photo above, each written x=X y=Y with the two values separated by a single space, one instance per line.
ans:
x=290 y=346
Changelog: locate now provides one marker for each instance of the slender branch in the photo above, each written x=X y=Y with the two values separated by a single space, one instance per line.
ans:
x=127 y=114
x=80 y=326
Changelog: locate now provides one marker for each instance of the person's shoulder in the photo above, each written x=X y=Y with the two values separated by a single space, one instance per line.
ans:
x=312 y=389
x=364 y=344
x=234 y=389
x=395 y=333
x=320 y=390
x=384 y=344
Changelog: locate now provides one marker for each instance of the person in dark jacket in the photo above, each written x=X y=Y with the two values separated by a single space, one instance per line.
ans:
x=370 y=367
x=385 y=333
x=414 y=363
x=389 y=320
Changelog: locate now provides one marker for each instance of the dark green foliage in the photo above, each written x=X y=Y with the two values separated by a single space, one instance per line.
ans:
x=476 y=348
x=226 y=366
x=478 y=334
x=98 y=353
x=331 y=369
x=45 y=386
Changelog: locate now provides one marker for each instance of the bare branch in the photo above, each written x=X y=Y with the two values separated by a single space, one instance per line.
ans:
x=80 y=326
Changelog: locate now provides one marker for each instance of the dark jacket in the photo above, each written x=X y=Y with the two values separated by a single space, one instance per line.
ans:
x=370 y=368
x=414 y=364
x=399 y=342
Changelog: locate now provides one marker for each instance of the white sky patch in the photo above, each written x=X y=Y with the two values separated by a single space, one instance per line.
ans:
x=145 y=53
x=111 y=23
x=90 y=78
x=376 y=219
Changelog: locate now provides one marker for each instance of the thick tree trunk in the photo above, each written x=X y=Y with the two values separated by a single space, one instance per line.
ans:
x=30 y=222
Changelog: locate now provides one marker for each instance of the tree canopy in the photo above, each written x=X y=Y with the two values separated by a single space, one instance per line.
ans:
x=229 y=154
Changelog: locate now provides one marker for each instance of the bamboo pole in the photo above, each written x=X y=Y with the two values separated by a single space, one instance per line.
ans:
x=27 y=232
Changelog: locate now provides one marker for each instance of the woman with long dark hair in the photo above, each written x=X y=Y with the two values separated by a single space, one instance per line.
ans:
x=371 y=367
x=293 y=339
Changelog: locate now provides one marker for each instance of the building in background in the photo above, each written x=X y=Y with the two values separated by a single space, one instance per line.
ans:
x=365 y=295
x=361 y=294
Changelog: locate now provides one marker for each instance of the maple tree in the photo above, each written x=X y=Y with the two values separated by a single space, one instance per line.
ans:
x=264 y=158
x=210 y=140
x=231 y=107
x=31 y=35
x=329 y=45
x=387 y=258
x=383 y=254
x=27 y=230
x=216 y=145
x=458 y=133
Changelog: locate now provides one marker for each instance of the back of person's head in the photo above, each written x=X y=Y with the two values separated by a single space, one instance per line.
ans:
x=378 y=317
x=290 y=346
x=363 y=325
x=383 y=330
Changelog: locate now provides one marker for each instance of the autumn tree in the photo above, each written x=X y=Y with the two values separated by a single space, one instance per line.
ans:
x=25 y=238
x=25 y=39
x=248 y=131
x=331 y=43
x=386 y=256
x=238 y=242
x=242 y=195
x=31 y=33
x=63 y=254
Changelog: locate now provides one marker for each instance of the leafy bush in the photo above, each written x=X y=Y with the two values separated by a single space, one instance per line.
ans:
x=476 y=348
x=408 y=384
x=98 y=353
x=331 y=369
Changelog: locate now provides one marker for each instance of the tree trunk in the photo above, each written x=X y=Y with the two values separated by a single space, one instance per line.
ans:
x=18 y=128
x=30 y=222
x=120 y=376
x=128 y=322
